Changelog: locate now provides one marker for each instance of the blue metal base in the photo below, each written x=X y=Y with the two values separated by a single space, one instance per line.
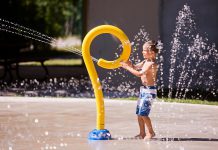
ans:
x=99 y=135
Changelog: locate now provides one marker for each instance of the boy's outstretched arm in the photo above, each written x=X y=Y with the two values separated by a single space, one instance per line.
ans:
x=135 y=72
x=131 y=69
x=136 y=66
x=139 y=65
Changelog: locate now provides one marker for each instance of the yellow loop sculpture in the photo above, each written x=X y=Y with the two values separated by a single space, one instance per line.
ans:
x=103 y=63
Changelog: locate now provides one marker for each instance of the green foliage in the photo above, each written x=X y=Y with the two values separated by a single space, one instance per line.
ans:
x=55 y=17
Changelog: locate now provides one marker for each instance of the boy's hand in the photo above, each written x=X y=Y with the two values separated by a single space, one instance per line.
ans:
x=129 y=63
x=124 y=65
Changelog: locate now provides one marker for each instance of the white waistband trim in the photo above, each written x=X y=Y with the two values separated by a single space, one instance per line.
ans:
x=145 y=90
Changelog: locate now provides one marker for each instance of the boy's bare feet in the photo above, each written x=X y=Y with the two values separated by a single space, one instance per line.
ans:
x=149 y=136
x=140 y=136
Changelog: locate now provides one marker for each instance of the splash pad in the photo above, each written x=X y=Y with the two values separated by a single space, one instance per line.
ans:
x=63 y=124
x=14 y=134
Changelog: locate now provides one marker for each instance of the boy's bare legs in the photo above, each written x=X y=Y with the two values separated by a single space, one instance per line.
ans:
x=141 y=128
x=150 y=132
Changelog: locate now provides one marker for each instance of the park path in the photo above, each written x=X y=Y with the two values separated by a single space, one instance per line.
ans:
x=64 y=123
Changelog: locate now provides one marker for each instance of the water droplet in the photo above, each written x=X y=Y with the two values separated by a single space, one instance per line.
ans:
x=10 y=148
x=46 y=132
x=181 y=148
x=211 y=77
x=36 y=120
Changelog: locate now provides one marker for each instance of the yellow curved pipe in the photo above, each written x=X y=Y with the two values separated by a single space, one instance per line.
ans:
x=103 y=63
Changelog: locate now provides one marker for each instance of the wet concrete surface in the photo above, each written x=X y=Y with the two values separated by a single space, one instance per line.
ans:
x=64 y=123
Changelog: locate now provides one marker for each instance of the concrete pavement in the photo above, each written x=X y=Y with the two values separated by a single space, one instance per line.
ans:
x=64 y=123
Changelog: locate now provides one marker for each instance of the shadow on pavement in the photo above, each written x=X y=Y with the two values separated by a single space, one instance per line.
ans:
x=168 y=139
x=185 y=139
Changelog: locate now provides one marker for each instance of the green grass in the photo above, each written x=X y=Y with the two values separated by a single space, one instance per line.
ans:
x=56 y=62
x=63 y=62
x=189 y=101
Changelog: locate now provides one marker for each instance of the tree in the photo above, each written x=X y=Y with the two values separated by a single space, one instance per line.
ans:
x=52 y=17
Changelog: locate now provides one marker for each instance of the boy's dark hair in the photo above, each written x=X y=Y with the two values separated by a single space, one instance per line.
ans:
x=153 y=45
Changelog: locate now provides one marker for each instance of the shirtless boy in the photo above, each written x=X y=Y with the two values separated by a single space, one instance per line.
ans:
x=147 y=71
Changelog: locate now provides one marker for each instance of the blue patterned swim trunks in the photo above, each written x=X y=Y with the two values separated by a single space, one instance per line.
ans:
x=147 y=95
